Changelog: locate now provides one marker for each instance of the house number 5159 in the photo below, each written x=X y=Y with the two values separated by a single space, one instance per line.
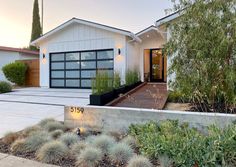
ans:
x=77 y=110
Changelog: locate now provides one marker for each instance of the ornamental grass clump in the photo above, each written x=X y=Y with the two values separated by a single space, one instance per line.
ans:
x=129 y=140
x=102 y=83
x=45 y=121
x=36 y=140
x=56 y=133
x=69 y=139
x=32 y=129
x=52 y=152
x=52 y=126
x=90 y=157
x=10 y=137
x=165 y=160
x=104 y=143
x=139 y=161
x=18 y=147
x=121 y=153
x=78 y=148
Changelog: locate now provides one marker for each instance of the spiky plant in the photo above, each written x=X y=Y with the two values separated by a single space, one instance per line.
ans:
x=139 y=161
x=36 y=140
x=90 y=157
x=121 y=153
x=56 y=133
x=90 y=139
x=10 y=137
x=18 y=147
x=45 y=121
x=51 y=126
x=165 y=160
x=52 y=152
x=32 y=129
x=69 y=139
x=104 y=143
x=130 y=140
x=78 y=147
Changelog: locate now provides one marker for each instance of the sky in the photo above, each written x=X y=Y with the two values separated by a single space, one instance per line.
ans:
x=132 y=15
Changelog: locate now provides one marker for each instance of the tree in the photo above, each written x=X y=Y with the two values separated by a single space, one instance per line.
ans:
x=202 y=50
x=36 y=25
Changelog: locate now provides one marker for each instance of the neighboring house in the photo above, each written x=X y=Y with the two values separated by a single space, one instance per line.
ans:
x=9 y=55
x=72 y=53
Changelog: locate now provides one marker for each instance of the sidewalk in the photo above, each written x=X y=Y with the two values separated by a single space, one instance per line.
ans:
x=12 y=161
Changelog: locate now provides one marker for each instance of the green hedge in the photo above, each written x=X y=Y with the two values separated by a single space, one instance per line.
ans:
x=15 y=72
x=187 y=147
x=5 y=87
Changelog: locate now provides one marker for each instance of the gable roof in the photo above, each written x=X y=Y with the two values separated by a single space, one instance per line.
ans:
x=152 y=27
x=10 y=49
x=85 y=22
x=168 y=18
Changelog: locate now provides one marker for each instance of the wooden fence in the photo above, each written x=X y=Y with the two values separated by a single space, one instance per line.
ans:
x=32 y=74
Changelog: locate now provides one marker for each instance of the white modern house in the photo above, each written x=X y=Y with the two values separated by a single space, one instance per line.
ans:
x=9 y=55
x=71 y=53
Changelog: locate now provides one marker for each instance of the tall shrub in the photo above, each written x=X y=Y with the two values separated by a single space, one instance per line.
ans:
x=15 y=72
x=202 y=50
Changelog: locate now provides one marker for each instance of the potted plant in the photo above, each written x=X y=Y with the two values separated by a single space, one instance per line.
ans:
x=102 y=89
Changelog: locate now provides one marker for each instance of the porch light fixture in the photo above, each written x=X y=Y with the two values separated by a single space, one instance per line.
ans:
x=44 y=61
x=119 y=51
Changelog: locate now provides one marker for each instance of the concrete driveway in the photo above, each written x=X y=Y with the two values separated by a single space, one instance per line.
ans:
x=26 y=107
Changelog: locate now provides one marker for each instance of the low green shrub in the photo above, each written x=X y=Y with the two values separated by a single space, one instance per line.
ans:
x=117 y=80
x=121 y=153
x=102 y=83
x=177 y=97
x=36 y=140
x=139 y=161
x=104 y=143
x=69 y=139
x=52 y=152
x=132 y=77
x=90 y=157
x=186 y=146
x=5 y=87
x=15 y=72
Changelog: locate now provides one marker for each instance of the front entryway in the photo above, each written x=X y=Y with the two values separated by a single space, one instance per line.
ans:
x=155 y=66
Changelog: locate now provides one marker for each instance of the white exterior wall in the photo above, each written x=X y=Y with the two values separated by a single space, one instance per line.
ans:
x=79 y=37
x=133 y=58
x=7 y=57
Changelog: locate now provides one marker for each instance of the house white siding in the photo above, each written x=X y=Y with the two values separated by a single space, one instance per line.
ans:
x=79 y=37
x=7 y=57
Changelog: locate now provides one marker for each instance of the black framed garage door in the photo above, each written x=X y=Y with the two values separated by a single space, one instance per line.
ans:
x=77 y=69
